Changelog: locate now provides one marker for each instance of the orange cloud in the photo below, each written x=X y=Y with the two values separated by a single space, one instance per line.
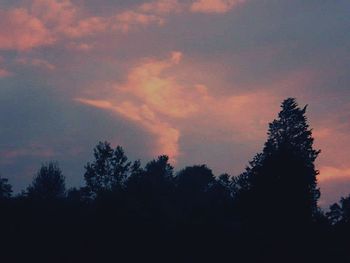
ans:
x=214 y=6
x=22 y=31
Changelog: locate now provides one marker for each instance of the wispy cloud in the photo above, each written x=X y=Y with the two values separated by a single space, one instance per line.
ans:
x=33 y=150
x=333 y=173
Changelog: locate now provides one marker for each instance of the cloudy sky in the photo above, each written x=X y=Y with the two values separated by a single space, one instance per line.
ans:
x=198 y=80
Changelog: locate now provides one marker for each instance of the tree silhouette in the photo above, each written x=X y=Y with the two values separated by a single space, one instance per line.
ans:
x=340 y=213
x=49 y=183
x=109 y=170
x=223 y=189
x=335 y=214
x=5 y=188
x=193 y=187
x=151 y=189
x=128 y=212
x=156 y=177
x=281 y=181
x=195 y=179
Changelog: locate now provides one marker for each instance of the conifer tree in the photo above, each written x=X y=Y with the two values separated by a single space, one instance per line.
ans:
x=281 y=181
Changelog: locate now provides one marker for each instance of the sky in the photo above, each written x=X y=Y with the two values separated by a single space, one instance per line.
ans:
x=198 y=80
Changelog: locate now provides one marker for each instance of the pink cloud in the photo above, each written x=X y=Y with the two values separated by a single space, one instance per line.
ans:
x=239 y=117
x=148 y=98
x=155 y=98
x=330 y=173
x=5 y=73
x=44 y=23
x=63 y=17
x=20 y=30
x=214 y=6
x=162 y=93
x=164 y=97
x=55 y=14
x=332 y=137
x=334 y=183
x=8 y=156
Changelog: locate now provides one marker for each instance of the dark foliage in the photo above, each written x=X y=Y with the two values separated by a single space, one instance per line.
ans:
x=48 y=184
x=280 y=183
x=109 y=170
x=340 y=213
x=127 y=212
x=5 y=188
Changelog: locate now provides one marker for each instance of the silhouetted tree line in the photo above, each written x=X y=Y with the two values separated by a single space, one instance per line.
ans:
x=127 y=212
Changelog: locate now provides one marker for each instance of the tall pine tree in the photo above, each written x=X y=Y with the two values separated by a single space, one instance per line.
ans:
x=280 y=183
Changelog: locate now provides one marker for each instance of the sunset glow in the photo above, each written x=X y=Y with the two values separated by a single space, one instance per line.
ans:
x=197 y=80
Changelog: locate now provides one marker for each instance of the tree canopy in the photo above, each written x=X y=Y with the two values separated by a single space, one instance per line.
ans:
x=48 y=184
x=108 y=171
x=281 y=180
